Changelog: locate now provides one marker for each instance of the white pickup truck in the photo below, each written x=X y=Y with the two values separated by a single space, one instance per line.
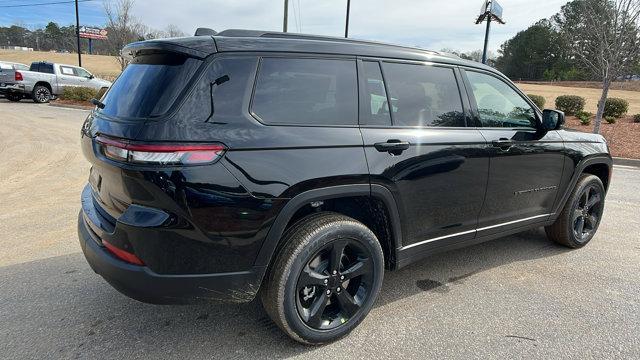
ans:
x=44 y=81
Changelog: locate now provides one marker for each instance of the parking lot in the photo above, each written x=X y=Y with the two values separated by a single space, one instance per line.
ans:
x=517 y=297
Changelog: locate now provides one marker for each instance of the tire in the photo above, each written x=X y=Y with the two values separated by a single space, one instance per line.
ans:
x=41 y=94
x=13 y=97
x=302 y=276
x=577 y=223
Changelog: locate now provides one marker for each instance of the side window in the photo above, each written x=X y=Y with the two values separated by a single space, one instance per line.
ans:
x=306 y=92
x=82 y=72
x=65 y=70
x=376 y=108
x=498 y=104
x=424 y=95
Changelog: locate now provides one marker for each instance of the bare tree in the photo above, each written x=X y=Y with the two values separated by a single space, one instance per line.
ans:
x=123 y=27
x=607 y=41
x=173 y=30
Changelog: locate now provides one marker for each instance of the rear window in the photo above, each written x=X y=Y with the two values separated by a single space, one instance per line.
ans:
x=42 y=67
x=149 y=86
x=306 y=92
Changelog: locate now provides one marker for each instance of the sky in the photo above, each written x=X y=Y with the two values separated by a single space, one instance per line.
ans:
x=430 y=24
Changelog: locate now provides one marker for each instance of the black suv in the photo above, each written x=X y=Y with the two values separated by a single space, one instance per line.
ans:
x=298 y=168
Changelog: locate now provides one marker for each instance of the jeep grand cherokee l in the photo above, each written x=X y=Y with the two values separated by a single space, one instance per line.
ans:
x=298 y=168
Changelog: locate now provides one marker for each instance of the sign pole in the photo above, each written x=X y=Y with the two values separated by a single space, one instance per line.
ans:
x=78 y=35
x=346 y=25
x=286 y=16
x=486 y=39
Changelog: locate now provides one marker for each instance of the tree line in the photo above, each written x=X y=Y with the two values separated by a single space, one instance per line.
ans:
x=556 y=49
x=122 y=28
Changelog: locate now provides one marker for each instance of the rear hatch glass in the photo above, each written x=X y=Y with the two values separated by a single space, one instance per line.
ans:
x=149 y=86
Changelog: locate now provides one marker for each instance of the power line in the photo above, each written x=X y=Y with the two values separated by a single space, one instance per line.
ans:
x=44 y=3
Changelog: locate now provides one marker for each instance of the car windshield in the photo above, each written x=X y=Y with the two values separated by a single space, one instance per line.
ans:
x=149 y=86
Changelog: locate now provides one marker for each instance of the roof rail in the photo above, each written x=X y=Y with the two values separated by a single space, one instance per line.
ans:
x=275 y=34
x=205 y=32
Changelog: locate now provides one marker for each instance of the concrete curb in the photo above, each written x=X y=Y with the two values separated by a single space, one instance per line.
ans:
x=626 y=162
x=69 y=106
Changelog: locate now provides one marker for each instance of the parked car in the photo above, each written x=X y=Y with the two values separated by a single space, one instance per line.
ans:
x=298 y=168
x=9 y=77
x=44 y=81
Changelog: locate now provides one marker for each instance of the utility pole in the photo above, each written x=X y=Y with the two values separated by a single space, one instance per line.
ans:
x=346 y=25
x=286 y=16
x=78 y=35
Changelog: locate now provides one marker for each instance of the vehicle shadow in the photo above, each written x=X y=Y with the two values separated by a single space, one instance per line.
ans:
x=59 y=307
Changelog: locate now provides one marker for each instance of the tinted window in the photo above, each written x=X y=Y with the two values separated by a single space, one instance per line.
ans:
x=376 y=108
x=423 y=95
x=149 y=85
x=498 y=104
x=306 y=92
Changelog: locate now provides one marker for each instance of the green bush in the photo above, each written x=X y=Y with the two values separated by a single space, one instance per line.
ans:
x=616 y=107
x=570 y=104
x=78 y=93
x=636 y=118
x=610 y=119
x=538 y=100
x=584 y=117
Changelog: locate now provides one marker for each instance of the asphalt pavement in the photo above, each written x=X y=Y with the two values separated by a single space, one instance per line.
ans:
x=517 y=297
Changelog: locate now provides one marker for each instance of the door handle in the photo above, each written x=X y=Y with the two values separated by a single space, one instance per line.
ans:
x=392 y=146
x=503 y=143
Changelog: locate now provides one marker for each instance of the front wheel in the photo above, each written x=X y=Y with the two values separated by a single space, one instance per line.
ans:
x=41 y=94
x=580 y=218
x=325 y=279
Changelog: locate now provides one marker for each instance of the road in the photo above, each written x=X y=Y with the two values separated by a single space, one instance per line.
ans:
x=517 y=297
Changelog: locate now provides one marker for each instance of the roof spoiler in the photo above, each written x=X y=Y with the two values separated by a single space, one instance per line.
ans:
x=205 y=32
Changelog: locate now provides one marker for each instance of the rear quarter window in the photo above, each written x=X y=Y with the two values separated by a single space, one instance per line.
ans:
x=306 y=92
x=149 y=86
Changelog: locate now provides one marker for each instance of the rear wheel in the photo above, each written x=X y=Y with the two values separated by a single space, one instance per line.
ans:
x=580 y=218
x=41 y=94
x=13 y=97
x=325 y=279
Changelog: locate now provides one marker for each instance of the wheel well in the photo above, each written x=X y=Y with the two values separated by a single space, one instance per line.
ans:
x=370 y=211
x=601 y=171
x=45 y=84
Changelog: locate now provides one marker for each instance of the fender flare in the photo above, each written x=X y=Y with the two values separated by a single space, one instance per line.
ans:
x=267 y=251
x=579 y=170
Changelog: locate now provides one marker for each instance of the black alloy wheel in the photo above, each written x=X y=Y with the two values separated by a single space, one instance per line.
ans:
x=325 y=279
x=334 y=284
x=578 y=221
x=587 y=212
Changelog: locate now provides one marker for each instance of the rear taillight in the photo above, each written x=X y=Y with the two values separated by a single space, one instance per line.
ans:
x=161 y=154
x=18 y=76
x=122 y=254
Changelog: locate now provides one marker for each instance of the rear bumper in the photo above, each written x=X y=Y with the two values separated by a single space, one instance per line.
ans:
x=143 y=284
x=12 y=88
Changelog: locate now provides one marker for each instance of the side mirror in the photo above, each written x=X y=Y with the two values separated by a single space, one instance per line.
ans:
x=90 y=76
x=552 y=119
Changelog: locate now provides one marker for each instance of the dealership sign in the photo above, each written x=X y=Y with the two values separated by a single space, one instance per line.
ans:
x=93 y=33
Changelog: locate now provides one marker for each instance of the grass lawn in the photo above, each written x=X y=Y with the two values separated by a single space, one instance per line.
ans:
x=623 y=136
